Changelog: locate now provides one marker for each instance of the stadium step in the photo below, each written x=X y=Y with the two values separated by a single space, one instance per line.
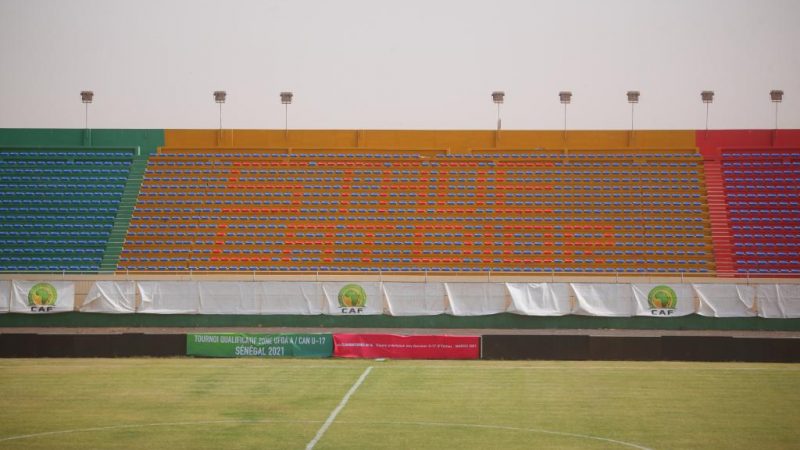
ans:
x=122 y=220
x=719 y=218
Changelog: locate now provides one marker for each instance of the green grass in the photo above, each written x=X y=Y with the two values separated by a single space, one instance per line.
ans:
x=187 y=403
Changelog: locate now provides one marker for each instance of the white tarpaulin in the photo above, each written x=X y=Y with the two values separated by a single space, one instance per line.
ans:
x=288 y=297
x=726 y=300
x=110 y=297
x=778 y=301
x=407 y=299
x=36 y=297
x=539 y=299
x=606 y=300
x=415 y=299
x=663 y=300
x=169 y=297
x=344 y=298
x=228 y=297
x=476 y=299
x=5 y=295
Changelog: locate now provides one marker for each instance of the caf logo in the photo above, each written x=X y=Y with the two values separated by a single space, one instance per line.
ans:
x=42 y=297
x=662 y=301
x=352 y=299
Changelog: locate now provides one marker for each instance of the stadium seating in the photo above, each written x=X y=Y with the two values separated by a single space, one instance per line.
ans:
x=763 y=198
x=59 y=207
x=589 y=211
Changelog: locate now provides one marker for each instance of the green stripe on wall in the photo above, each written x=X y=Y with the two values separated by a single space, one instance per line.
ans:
x=147 y=140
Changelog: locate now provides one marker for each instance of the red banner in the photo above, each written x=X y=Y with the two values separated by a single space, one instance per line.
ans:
x=406 y=347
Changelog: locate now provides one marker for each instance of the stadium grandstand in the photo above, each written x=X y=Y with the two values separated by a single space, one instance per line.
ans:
x=465 y=203
x=505 y=229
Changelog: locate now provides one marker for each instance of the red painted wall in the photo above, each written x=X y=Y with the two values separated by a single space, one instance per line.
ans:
x=711 y=141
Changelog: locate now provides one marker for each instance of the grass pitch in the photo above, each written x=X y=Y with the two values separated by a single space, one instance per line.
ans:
x=188 y=403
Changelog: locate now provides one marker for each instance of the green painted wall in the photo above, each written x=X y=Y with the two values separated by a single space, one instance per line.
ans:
x=147 y=140
x=498 y=321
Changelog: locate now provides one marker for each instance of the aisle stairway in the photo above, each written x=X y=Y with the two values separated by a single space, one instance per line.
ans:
x=116 y=237
x=720 y=220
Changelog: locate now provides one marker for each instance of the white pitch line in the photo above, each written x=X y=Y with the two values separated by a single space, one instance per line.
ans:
x=144 y=425
x=338 y=408
x=269 y=421
x=508 y=428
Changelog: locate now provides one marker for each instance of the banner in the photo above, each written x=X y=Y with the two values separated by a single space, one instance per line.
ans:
x=606 y=300
x=169 y=297
x=38 y=297
x=477 y=299
x=778 y=301
x=5 y=296
x=231 y=345
x=291 y=297
x=539 y=299
x=406 y=347
x=726 y=300
x=363 y=298
x=228 y=297
x=663 y=300
x=415 y=299
x=408 y=298
x=110 y=297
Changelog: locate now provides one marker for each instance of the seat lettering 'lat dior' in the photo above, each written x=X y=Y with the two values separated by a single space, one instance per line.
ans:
x=533 y=212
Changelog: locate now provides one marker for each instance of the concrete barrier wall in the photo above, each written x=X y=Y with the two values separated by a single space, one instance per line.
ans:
x=656 y=348
x=494 y=347
x=91 y=345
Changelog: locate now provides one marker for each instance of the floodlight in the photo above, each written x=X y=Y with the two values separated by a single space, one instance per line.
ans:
x=497 y=98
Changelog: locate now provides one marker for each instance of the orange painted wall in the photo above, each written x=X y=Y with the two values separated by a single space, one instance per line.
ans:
x=456 y=141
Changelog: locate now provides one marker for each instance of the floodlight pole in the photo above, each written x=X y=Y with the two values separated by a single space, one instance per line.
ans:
x=565 y=97
x=633 y=99
x=86 y=98
x=497 y=98
x=707 y=97
x=776 y=96
x=219 y=97
x=775 y=130
x=286 y=99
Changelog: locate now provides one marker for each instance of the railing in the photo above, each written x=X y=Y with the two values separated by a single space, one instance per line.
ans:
x=412 y=276
x=134 y=150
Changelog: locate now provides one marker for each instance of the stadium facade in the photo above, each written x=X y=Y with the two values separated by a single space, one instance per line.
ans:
x=682 y=229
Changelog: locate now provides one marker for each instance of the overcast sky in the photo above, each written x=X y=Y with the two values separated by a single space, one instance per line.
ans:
x=403 y=64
